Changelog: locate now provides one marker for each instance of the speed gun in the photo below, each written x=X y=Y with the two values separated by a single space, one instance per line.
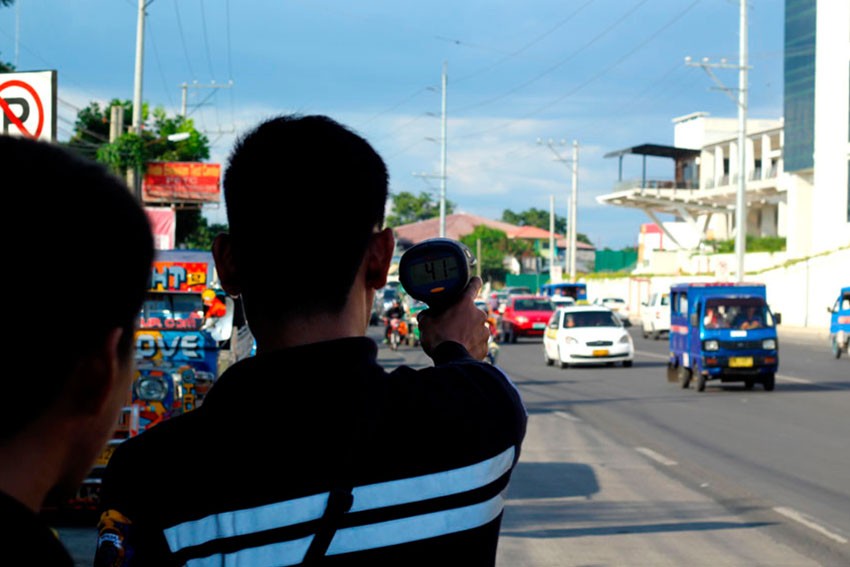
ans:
x=436 y=271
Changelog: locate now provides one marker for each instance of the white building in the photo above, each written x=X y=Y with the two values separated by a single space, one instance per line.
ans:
x=797 y=166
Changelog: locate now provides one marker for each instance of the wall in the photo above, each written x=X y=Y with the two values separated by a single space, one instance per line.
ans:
x=801 y=292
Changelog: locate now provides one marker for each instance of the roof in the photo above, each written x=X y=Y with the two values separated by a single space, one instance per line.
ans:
x=655 y=150
x=461 y=224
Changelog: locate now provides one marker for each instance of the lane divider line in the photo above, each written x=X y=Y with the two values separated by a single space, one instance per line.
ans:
x=657 y=457
x=798 y=517
x=567 y=416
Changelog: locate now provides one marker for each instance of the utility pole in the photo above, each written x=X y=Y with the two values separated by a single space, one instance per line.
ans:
x=551 y=235
x=741 y=102
x=134 y=175
x=573 y=201
x=443 y=157
x=184 y=88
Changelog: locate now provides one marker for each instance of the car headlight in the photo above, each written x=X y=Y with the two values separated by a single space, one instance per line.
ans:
x=522 y=320
x=569 y=340
x=768 y=344
x=625 y=339
x=711 y=345
x=151 y=388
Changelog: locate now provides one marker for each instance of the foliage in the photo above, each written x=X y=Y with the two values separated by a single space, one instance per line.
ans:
x=540 y=219
x=193 y=230
x=409 y=208
x=133 y=151
x=129 y=150
x=753 y=244
x=495 y=247
x=6 y=67
x=91 y=128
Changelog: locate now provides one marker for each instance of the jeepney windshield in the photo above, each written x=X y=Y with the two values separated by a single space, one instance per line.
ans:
x=171 y=310
x=737 y=313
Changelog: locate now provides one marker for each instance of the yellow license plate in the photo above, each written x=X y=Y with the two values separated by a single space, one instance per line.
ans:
x=105 y=455
x=740 y=362
x=600 y=352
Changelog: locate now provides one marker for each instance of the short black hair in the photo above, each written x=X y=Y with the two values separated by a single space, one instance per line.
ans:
x=304 y=194
x=77 y=262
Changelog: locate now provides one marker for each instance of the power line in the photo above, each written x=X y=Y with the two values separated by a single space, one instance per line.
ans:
x=594 y=77
x=183 y=41
x=525 y=47
x=560 y=63
x=206 y=39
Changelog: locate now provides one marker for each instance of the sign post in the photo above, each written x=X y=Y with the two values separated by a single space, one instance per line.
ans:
x=28 y=105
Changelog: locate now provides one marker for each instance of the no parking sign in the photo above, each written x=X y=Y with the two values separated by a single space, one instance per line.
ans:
x=28 y=104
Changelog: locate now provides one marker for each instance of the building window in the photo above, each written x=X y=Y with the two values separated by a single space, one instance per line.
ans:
x=799 y=70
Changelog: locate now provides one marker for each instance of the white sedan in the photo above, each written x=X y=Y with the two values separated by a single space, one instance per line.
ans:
x=586 y=334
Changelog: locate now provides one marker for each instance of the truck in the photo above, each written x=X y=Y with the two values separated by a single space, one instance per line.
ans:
x=189 y=332
x=722 y=331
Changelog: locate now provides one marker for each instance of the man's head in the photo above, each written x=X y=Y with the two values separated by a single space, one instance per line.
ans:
x=304 y=197
x=73 y=291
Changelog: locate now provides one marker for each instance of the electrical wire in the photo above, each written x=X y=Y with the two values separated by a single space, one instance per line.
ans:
x=593 y=77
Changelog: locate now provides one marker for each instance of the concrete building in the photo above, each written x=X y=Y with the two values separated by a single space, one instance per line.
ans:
x=797 y=166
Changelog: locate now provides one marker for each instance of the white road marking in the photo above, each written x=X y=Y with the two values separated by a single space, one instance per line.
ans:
x=793 y=379
x=798 y=517
x=782 y=377
x=567 y=416
x=657 y=457
x=652 y=354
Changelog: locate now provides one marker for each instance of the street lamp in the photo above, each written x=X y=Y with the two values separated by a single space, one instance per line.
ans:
x=573 y=198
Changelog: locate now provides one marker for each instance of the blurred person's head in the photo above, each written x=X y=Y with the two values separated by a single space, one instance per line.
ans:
x=305 y=197
x=95 y=250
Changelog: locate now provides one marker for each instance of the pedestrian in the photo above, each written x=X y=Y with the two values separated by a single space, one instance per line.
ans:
x=311 y=452
x=80 y=233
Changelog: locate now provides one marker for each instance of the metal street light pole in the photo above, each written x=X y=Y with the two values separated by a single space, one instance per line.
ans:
x=573 y=213
x=571 y=229
x=133 y=174
x=741 y=203
x=741 y=102
x=443 y=158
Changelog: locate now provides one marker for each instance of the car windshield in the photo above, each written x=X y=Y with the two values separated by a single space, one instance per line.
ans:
x=737 y=314
x=533 y=305
x=590 y=319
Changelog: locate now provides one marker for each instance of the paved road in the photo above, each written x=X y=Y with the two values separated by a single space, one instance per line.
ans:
x=609 y=476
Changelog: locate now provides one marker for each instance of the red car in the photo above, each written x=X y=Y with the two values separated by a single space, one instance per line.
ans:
x=525 y=316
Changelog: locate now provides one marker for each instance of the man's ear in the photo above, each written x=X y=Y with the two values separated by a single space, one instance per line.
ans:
x=95 y=376
x=222 y=250
x=379 y=256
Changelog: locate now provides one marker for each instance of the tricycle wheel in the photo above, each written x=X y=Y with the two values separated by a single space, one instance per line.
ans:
x=684 y=377
x=836 y=348
x=769 y=382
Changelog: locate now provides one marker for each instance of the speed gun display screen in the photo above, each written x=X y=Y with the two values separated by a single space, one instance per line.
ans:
x=434 y=271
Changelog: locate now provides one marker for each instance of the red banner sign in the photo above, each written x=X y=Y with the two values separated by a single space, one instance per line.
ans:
x=182 y=182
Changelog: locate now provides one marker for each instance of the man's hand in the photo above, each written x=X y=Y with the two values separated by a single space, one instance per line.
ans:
x=463 y=322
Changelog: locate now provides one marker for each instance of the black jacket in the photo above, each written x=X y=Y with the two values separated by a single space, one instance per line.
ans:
x=27 y=539
x=319 y=446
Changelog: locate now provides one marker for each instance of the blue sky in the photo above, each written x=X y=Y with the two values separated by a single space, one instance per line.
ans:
x=607 y=73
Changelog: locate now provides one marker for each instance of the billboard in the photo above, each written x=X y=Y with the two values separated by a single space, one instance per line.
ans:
x=163 y=225
x=182 y=182
x=28 y=105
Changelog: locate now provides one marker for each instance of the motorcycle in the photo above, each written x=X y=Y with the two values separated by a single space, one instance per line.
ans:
x=397 y=332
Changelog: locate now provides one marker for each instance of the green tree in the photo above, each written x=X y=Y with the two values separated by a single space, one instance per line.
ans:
x=409 y=208
x=540 y=219
x=130 y=150
x=495 y=247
